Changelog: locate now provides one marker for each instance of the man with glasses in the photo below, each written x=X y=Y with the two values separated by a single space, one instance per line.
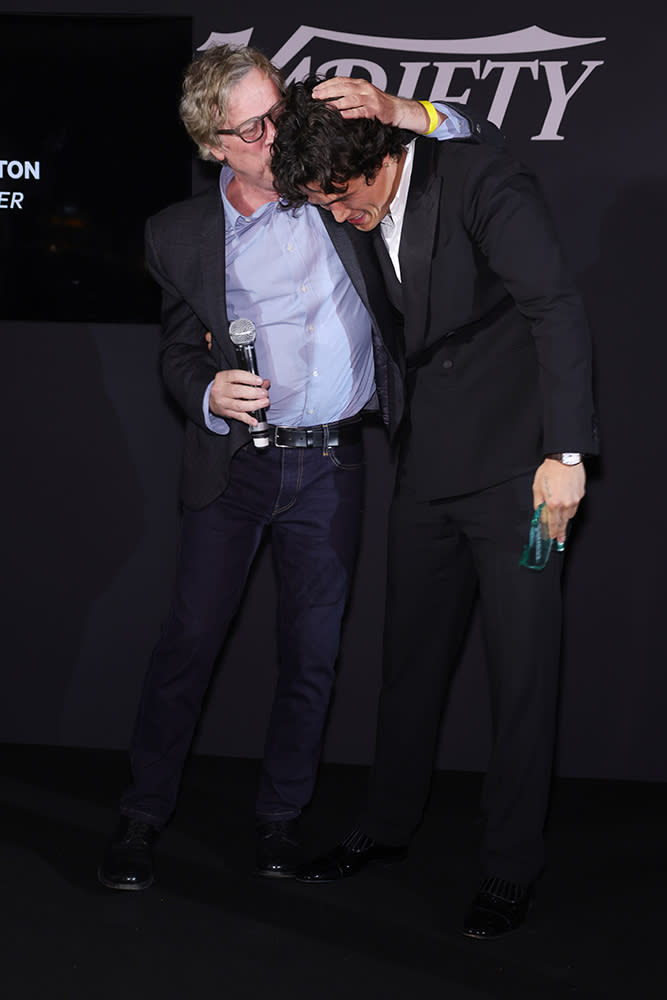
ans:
x=326 y=345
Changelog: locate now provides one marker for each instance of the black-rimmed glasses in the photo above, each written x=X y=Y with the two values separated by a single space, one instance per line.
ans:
x=252 y=130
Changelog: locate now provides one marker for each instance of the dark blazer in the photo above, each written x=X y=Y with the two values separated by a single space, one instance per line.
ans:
x=185 y=253
x=498 y=347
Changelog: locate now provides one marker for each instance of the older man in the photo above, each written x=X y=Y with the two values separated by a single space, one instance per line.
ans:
x=326 y=350
x=500 y=413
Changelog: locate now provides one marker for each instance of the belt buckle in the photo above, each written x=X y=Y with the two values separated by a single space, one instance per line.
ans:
x=276 y=432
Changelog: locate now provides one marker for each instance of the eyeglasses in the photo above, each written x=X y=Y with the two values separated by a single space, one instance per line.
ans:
x=537 y=549
x=253 y=129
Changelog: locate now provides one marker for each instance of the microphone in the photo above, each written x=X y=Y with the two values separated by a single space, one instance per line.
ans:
x=242 y=335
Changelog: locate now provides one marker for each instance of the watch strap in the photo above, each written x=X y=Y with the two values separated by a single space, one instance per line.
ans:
x=566 y=457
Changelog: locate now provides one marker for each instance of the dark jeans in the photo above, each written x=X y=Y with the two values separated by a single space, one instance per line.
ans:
x=312 y=504
x=442 y=554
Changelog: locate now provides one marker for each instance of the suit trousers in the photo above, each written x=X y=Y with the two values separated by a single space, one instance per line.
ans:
x=442 y=554
x=311 y=502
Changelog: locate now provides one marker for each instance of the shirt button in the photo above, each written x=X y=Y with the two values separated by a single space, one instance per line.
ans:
x=447 y=364
x=303 y=288
x=290 y=247
x=316 y=372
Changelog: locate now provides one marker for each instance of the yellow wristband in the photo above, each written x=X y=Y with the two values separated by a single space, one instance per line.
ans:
x=433 y=119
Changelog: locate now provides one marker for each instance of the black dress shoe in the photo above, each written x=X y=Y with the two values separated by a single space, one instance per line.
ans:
x=348 y=858
x=278 y=848
x=498 y=908
x=128 y=860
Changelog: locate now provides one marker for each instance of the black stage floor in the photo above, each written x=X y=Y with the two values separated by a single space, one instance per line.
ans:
x=210 y=928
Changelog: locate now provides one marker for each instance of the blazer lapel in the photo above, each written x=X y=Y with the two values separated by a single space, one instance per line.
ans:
x=393 y=285
x=340 y=238
x=212 y=249
x=418 y=242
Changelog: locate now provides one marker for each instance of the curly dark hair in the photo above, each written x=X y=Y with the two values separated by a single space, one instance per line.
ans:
x=316 y=147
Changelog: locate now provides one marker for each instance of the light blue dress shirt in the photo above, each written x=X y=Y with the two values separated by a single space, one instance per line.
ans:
x=313 y=333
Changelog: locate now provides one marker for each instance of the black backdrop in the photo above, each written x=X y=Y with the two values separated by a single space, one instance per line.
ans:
x=90 y=487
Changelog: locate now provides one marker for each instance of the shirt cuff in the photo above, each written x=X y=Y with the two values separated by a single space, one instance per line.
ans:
x=216 y=424
x=455 y=126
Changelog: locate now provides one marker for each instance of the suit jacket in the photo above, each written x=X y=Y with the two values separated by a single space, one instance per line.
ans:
x=498 y=347
x=185 y=253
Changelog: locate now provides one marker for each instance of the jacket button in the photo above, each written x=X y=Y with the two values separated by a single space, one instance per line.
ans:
x=447 y=364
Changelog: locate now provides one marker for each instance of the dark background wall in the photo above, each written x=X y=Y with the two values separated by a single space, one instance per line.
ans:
x=90 y=486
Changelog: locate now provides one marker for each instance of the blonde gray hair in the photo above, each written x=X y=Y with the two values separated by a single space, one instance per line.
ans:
x=207 y=84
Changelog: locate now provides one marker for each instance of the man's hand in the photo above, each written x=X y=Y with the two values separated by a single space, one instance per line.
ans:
x=236 y=393
x=561 y=487
x=357 y=98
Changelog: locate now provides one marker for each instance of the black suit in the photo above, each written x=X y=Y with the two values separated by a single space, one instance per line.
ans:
x=499 y=374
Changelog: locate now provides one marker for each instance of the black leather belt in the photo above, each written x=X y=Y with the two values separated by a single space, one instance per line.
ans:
x=321 y=436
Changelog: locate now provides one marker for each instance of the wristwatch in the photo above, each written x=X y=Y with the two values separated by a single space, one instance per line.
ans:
x=567 y=457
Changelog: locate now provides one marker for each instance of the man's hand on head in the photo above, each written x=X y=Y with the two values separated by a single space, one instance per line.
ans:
x=357 y=98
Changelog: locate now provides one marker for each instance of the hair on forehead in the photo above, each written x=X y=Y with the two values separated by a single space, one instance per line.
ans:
x=315 y=147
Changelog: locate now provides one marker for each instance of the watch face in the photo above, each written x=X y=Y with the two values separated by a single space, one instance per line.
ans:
x=571 y=458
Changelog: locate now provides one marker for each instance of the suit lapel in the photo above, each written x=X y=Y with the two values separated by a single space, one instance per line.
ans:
x=212 y=249
x=393 y=285
x=340 y=237
x=418 y=241
x=361 y=262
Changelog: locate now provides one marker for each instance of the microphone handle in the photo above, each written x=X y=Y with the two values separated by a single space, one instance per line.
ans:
x=247 y=359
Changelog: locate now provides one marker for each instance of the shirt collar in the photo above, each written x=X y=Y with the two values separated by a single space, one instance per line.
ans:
x=233 y=218
x=394 y=217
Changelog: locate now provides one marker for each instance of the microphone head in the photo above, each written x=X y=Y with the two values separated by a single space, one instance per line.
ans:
x=242 y=332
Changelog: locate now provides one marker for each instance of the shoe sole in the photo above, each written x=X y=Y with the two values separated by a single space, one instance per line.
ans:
x=338 y=878
x=126 y=887
x=491 y=937
x=496 y=937
x=267 y=874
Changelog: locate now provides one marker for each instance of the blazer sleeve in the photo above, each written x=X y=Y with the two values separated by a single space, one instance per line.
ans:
x=187 y=365
x=481 y=129
x=508 y=219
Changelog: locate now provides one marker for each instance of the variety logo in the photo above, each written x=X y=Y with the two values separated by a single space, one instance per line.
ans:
x=494 y=69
